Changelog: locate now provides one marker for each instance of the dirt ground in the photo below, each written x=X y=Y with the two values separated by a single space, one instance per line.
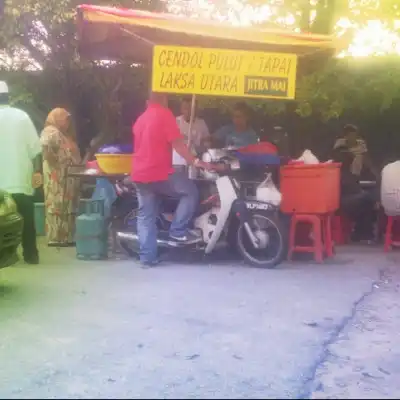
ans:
x=75 y=329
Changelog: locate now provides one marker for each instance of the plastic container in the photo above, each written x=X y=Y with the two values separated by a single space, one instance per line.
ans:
x=258 y=159
x=259 y=148
x=115 y=163
x=116 y=149
x=40 y=219
x=310 y=189
x=92 y=165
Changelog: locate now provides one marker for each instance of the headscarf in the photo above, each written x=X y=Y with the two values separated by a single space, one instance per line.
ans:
x=58 y=118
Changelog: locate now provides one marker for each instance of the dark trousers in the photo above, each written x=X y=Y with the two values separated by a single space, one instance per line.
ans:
x=26 y=209
x=361 y=208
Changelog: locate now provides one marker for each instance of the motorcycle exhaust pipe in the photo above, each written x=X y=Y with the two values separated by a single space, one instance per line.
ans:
x=134 y=238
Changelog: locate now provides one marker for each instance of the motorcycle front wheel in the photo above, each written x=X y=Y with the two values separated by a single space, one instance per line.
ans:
x=272 y=239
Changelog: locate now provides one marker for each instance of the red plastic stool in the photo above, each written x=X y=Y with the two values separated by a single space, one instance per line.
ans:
x=322 y=236
x=390 y=238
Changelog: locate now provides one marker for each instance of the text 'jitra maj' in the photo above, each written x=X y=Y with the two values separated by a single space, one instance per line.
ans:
x=221 y=70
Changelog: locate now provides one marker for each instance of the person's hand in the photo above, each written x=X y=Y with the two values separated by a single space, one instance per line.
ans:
x=219 y=167
x=37 y=180
x=204 y=165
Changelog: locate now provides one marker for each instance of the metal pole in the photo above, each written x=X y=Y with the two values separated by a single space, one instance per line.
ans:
x=192 y=170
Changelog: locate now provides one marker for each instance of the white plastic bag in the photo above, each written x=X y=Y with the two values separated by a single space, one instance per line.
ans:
x=308 y=158
x=390 y=189
x=268 y=193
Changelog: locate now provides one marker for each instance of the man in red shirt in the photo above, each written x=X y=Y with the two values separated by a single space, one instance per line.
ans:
x=155 y=134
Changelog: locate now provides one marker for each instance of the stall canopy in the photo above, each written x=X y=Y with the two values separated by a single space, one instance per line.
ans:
x=111 y=33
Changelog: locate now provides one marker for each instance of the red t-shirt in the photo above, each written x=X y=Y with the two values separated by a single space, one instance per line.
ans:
x=153 y=134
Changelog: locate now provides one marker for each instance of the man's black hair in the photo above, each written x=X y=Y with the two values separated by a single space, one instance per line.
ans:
x=243 y=108
x=349 y=128
x=4 y=98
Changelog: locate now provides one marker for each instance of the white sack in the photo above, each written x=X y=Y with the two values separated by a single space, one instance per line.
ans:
x=268 y=193
x=308 y=158
x=390 y=189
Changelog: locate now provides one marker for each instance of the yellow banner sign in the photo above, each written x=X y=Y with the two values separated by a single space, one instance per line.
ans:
x=190 y=70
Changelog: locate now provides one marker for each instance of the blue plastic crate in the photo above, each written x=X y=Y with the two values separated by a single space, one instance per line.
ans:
x=258 y=159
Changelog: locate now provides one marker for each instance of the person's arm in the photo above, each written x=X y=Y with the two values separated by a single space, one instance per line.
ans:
x=37 y=164
x=33 y=143
x=32 y=138
x=34 y=149
x=183 y=150
x=339 y=143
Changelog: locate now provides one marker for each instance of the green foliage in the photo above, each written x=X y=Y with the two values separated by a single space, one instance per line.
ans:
x=47 y=29
x=369 y=85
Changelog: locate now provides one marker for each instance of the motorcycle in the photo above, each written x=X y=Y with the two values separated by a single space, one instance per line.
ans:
x=225 y=217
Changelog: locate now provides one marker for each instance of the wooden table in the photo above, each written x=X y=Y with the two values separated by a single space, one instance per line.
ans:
x=81 y=172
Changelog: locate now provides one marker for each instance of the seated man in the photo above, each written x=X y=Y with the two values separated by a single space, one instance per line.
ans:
x=239 y=133
x=155 y=134
x=358 y=204
x=352 y=142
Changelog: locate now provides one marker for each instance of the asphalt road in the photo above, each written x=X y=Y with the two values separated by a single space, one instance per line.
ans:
x=78 y=329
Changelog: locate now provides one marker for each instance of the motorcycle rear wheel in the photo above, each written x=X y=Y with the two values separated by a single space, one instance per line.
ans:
x=272 y=237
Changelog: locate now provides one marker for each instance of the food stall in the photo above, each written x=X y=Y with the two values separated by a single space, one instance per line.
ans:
x=197 y=57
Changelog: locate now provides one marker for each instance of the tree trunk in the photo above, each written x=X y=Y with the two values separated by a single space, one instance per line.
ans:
x=305 y=19
x=325 y=18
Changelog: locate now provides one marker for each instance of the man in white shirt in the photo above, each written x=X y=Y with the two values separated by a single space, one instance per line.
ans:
x=200 y=132
x=20 y=166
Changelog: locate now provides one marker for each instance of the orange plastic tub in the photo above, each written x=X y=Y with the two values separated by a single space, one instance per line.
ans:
x=310 y=189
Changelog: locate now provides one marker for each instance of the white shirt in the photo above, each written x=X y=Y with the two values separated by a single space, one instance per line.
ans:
x=199 y=132
x=19 y=146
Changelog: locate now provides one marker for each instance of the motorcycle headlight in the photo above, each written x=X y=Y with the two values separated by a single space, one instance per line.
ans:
x=7 y=206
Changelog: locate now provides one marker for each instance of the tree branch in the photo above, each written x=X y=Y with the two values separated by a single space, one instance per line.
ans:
x=35 y=53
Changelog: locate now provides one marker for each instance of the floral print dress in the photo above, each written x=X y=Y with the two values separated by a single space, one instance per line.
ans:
x=61 y=193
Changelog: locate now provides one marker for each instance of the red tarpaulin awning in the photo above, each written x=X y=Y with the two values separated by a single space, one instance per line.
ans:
x=112 y=33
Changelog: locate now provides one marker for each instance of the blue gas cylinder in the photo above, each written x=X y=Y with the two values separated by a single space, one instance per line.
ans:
x=91 y=231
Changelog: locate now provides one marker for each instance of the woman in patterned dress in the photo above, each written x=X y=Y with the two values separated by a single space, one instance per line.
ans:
x=61 y=194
